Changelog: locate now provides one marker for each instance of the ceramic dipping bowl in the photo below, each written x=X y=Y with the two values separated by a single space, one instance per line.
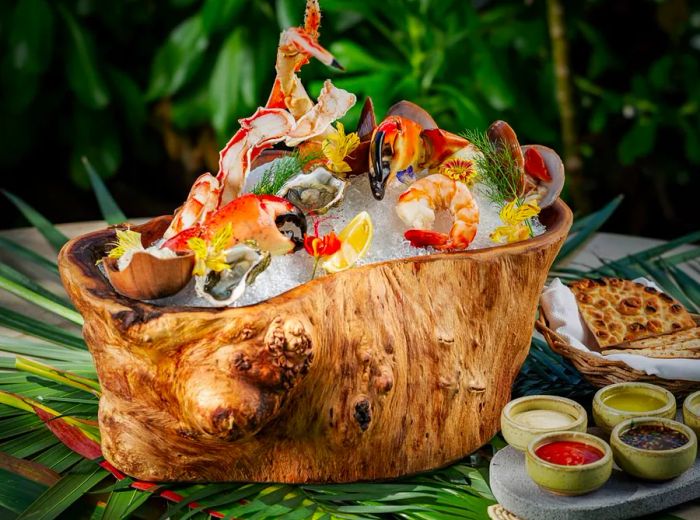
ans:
x=619 y=402
x=653 y=464
x=691 y=412
x=571 y=479
x=525 y=418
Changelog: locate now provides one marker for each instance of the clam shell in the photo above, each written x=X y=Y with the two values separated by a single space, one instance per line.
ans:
x=148 y=277
x=314 y=192
x=555 y=168
x=225 y=287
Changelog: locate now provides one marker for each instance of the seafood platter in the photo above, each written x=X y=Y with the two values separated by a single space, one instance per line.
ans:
x=326 y=296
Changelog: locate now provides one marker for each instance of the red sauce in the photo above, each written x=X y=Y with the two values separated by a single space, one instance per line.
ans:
x=569 y=453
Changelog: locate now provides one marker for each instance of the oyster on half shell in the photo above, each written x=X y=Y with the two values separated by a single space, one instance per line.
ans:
x=225 y=287
x=314 y=192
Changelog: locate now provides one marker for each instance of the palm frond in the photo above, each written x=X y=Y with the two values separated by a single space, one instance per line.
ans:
x=108 y=206
x=39 y=221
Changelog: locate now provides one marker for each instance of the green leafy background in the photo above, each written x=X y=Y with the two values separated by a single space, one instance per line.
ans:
x=150 y=90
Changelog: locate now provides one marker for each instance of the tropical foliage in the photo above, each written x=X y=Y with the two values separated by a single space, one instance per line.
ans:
x=150 y=90
x=50 y=459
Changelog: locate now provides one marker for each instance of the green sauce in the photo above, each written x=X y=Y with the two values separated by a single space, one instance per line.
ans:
x=632 y=401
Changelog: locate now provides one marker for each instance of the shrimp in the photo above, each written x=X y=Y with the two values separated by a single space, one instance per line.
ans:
x=416 y=207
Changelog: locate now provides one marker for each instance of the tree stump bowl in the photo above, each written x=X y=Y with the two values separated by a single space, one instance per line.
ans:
x=380 y=371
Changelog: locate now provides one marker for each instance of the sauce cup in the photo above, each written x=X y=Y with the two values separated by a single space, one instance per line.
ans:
x=569 y=480
x=633 y=400
x=551 y=414
x=691 y=412
x=653 y=464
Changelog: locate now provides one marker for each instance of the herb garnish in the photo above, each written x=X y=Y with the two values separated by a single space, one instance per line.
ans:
x=496 y=169
x=283 y=169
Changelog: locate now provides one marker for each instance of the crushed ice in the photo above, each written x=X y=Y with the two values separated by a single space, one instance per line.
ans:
x=289 y=271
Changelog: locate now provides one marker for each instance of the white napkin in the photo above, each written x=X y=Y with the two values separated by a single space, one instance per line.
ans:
x=559 y=306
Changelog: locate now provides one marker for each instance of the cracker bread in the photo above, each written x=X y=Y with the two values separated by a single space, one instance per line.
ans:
x=682 y=344
x=681 y=337
x=618 y=310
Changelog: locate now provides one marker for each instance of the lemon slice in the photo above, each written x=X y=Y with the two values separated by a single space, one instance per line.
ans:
x=355 y=239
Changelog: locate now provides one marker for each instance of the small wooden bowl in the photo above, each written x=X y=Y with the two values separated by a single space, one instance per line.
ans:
x=654 y=464
x=148 y=277
x=519 y=436
x=691 y=412
x=607 y=417
x=569 y=480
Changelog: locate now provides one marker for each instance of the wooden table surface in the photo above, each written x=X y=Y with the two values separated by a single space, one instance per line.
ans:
x=607 y=246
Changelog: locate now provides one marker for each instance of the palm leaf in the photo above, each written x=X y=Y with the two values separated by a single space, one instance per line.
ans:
x=585 y=229
x=110 y=211
x=46 y=228
x=59 y=497
x=30 y=326
x=27 y=254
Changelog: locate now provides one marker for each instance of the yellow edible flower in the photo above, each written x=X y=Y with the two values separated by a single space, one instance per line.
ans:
x=459 y=170
x=127 y=240
x=515 y=215
x=210 y=256
x=337 y=146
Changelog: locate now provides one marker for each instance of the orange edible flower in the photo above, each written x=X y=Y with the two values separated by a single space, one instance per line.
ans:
x=459 y=170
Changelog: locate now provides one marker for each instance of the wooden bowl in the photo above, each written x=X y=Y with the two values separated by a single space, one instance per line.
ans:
x=148 y=277
x=413 y=357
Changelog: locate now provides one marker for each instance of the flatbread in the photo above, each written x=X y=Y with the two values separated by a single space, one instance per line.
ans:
x=672 y=340
x=618 y=310
x=682 y=344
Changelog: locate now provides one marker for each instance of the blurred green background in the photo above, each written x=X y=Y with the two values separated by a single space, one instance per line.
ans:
x=149 y=90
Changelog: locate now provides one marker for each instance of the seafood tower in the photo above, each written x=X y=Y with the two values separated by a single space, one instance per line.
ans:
x=325 y=296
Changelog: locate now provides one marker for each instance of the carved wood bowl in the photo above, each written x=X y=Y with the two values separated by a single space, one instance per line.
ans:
x=379 y=371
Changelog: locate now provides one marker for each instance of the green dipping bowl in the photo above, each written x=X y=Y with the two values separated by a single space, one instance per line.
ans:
x=569 y=480
x=691 y=412
x=607 y=416
x=519 y=435
x=654 y=464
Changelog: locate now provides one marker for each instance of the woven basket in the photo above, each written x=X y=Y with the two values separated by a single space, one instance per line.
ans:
x=601 y=372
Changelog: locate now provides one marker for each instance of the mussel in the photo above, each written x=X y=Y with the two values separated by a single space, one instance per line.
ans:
x=225 y=287
x=314 y=192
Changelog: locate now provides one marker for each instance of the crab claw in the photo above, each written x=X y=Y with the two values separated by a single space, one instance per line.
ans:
x=395 y=147
x=289 y=219
x=426 y=238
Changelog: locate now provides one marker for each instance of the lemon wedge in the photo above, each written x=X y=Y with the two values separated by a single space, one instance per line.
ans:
x=355 y=239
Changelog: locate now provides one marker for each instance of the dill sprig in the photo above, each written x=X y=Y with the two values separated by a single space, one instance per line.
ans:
x=496 y=169
x=283 y=169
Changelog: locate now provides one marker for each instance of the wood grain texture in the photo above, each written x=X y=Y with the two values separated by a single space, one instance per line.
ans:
x=379 y=371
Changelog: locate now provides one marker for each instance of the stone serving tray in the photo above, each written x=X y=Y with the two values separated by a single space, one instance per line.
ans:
x=621 y=497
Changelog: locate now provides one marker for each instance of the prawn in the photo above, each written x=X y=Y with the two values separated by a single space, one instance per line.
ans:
x=417 y=205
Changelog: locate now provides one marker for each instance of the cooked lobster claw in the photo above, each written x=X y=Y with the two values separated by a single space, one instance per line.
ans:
x=395 y=147
x=407 y=141
x=265 y=219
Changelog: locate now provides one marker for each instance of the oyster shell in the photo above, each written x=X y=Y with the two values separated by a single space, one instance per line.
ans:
x=314 y=192
x=225 y=287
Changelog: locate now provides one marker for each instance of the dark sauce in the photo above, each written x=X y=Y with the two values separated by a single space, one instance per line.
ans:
x=654 y=437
